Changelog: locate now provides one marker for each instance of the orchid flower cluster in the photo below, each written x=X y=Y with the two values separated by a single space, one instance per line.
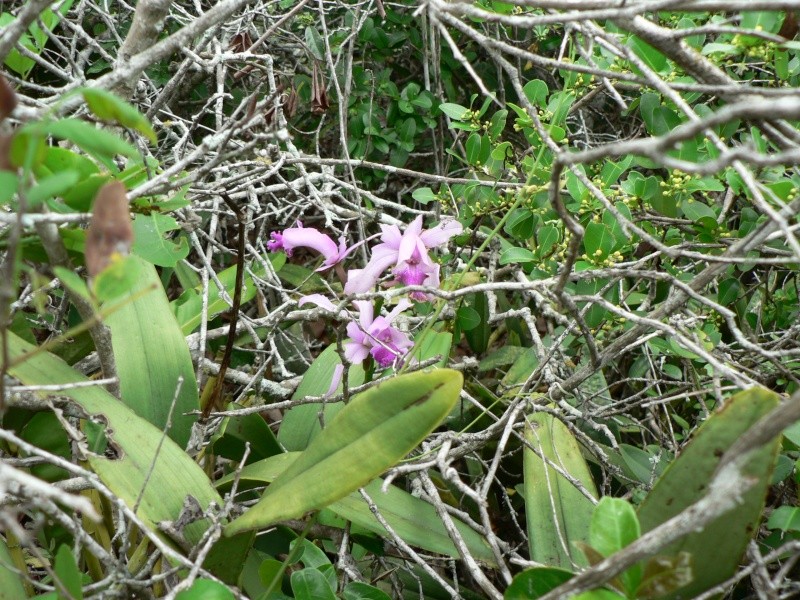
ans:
x=405 y=254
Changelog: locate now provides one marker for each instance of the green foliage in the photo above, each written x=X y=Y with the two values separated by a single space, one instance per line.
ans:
x=157 y=380
x=628 y=287
x=558 y=513
x=34 y=39
x=137 y=450
x=376 y=430
x=717 y=549
x=11 y=587
x=413 y=519
x=205 y=589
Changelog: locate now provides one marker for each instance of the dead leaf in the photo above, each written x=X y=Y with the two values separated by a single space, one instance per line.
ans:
x=319 y=97
x=241 y=42
x=5 y=153
x=8 y=98
x=110 y=230
x=291 y=103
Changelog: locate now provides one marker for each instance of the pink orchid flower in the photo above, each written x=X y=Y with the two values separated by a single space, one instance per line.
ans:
x=370 y=336
x=376 y=336
x=308 y=237
x=407 y=252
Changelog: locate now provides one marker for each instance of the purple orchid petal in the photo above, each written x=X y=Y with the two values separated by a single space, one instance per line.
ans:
x=390 y=344
x=365 y=314
x=317 y=300
x=276 y=243
x=441 y=234
x=415 y=227
x=308 y=237
x=356 y=349
x=384 y=356
x=409 y=273
x=362 y=280
x=391 y=236
x=355 y=352
x=431 y=280
x=401 y=306
x=338 y=371
x=411 y=241
x=356 y=333
x=376 y=336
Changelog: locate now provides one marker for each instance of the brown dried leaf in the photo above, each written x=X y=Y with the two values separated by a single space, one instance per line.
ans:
x=319 y=97
x=8 y=98
x=789 y=28
x=291 y=104
x=110 y=230
x=5 y=153
x=241 y=42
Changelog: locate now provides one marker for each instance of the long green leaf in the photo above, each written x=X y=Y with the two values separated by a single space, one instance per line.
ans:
x=538 y=581
x=174 y=475
x=718 y=548
x=558 y=514
x=148 y=469
x=153 y=360
x=302 y=423
x=188 y=308
x=11 y=587
x=413 y=519
x=614 y=526
x=372 y=433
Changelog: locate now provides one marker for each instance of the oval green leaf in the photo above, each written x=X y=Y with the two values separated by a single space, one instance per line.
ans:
x=412 y=518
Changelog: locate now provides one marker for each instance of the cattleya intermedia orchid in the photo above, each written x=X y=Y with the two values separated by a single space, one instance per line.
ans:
x=370 y=335
x=405 y=253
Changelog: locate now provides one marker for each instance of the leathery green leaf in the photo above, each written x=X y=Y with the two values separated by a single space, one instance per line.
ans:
x=153 y=361
x=717 y=549
x=188 y=308
x=135 y=442
x=11 y=587
x=413 y=519
x=371 y=434
x=558 y=513
x=301 y=423
x=142 y=455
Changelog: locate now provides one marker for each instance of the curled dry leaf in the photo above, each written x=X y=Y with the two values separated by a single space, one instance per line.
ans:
x=5 y=153
x=8 y=98
x=319 y=97
x=291 y=104
x=110 y=231
x=241 y=42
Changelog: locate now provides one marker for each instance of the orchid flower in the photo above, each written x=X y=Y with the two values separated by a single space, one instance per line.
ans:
x=407 y=253
x=308 y=237
x=370 y=336
x=376 y=336
x=319 y=300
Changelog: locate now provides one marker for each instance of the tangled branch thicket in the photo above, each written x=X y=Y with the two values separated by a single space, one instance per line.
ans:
x=626 y=173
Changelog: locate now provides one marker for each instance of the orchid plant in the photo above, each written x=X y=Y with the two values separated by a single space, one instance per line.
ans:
x=406 y=254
